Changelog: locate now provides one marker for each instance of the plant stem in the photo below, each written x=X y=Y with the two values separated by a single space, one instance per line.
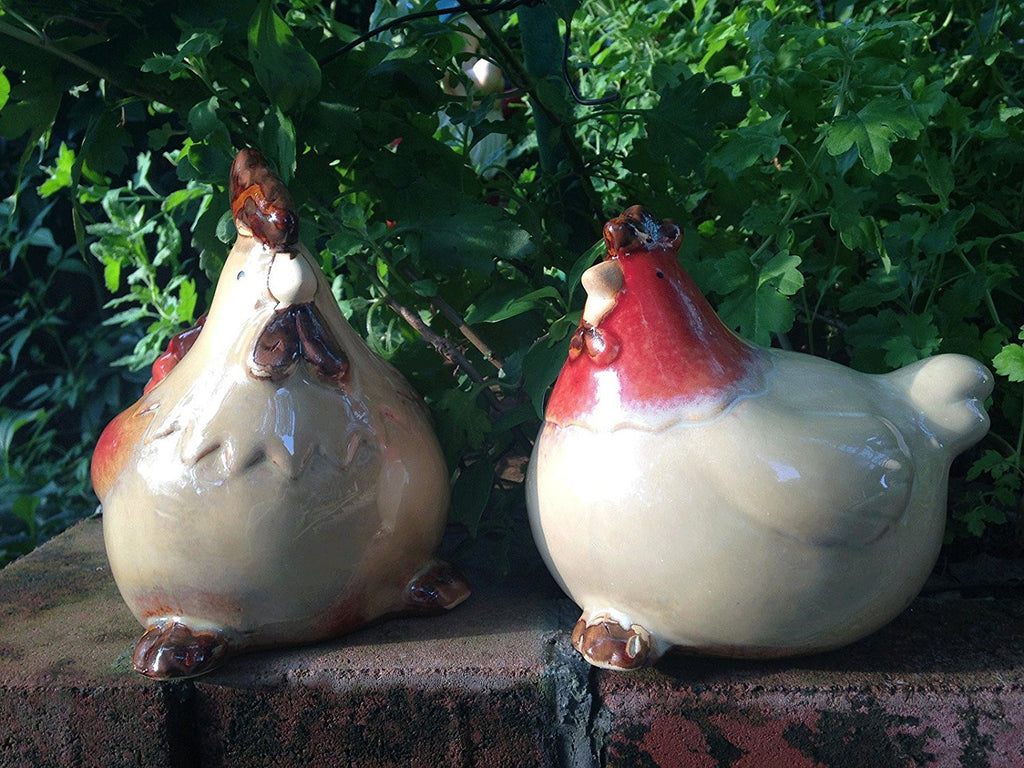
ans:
x=993 y=312
x=470 y=335
x=445 y=346
x=44 y=44
x=1020 y=445
x=440 y=305
x=40 y=41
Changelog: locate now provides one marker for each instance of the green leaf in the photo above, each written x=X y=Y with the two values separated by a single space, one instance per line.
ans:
x=504 y=302
x=758 y=314
x=755 y=299
x=882 y=285
x=161 y=64
x=288 y=74
x=203 y=120
x=15 y=343
x=920 y=339
x=10 y=422
x=104 y=147
x=112 y=274
x=991 y=463
x=24 y=508
x=1010 y=362
x=457 y=232
x=726 y=274
x=565 y=8
x=979 y=517
x=764 y=218
x=209 y=145
x=61 y=173
x=684 y=126
x=470 y=494
x=940 y=174
x=5 y=88
x=781 y=271
x=182 y=196
x=858 y=232
x=866 y=335
x=34 y=115
x=748 y=145
x=873 y=129
x=158 y=138
x=201 y=41
x=461 y=425
x=583 y=263
x=225 y=228
x=425 y=288
x=545 y=358
x=900 y=338
x=195 y=44
x=187 y=298
x=277 y=133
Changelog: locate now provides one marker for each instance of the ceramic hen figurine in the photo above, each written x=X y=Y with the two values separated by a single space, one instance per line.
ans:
x=277 y=483
x=691 y=489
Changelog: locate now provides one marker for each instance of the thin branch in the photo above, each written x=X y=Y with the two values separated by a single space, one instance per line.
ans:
x=44 y=44
x=471 y=336
x=449 y=350
x=445 y=346
x=456 y=319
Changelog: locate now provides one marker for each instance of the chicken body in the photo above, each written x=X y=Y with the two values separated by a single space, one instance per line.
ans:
x=280 y=484
x=772 y=504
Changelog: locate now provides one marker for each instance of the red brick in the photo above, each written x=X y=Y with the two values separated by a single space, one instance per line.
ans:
x=943 y=685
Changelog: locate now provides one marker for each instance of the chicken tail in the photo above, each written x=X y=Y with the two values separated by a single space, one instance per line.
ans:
x=948 y=391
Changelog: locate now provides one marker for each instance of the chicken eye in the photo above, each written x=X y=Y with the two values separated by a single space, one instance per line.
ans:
x=660 y=274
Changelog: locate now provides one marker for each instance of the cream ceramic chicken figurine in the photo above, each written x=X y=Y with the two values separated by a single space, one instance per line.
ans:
x=691 y=489
x=277 y=483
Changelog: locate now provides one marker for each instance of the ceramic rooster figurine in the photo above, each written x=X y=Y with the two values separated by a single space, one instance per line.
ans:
x=277 y=483
x=691 y=489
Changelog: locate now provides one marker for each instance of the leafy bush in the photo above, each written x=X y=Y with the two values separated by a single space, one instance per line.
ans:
x=846 y=176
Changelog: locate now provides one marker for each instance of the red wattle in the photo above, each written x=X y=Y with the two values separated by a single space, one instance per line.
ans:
x=177 y=348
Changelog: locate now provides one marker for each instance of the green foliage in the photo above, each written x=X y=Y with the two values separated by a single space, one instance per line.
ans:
x=57 y=387
x=843 y=175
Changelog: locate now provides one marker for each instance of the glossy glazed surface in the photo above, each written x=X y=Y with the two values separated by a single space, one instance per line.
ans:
x=697 y=491
x=278 y=482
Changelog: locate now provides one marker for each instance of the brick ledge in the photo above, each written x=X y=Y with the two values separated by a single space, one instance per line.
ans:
x=495 y=684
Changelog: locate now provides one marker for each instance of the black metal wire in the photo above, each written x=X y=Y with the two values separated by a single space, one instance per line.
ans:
x=485 y=9
x=608 y=98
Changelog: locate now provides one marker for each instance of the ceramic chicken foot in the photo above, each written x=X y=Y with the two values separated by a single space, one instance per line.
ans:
x=171 y=649
x=604 y=642
x=438 y=586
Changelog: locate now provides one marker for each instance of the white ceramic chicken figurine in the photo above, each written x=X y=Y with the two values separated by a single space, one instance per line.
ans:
x=691 y=489
x=277 y=483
